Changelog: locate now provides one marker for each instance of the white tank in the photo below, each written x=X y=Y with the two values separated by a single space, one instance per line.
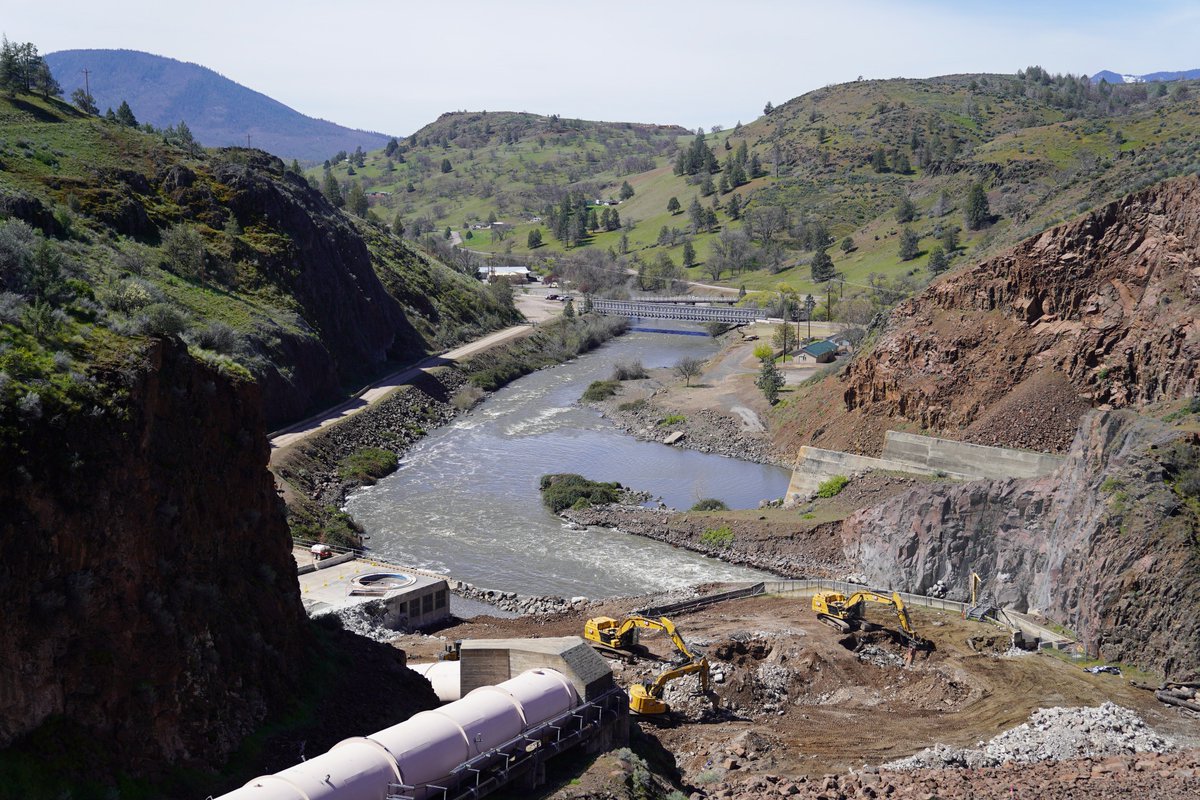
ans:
x=425 y=748
x=444 y=676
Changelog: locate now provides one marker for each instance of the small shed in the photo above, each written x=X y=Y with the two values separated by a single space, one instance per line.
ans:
x=822 y=352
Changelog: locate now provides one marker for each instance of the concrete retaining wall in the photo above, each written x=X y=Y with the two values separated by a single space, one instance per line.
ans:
x=975 y=460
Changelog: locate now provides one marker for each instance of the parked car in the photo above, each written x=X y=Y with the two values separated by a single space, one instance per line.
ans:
x=551 y=296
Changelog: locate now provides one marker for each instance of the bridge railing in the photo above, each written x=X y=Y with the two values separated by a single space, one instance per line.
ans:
x=691 y=313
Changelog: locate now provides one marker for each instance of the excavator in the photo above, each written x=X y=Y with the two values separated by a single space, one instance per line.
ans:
x=621 y=635
x=846 y=613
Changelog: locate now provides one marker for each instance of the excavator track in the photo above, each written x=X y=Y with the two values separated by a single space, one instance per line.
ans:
x=838 y=624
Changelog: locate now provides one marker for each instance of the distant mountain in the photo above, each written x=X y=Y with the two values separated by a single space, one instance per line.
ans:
x=220 y=112
x=1150 y=77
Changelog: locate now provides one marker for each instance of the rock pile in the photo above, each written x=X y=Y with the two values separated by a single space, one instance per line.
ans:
x=703 y=430
x=1052 y=734
x=517 y=603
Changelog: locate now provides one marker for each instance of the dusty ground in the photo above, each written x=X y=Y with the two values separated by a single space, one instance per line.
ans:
x=797 y=701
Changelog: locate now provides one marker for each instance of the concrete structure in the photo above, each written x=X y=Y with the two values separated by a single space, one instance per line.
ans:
x=689 y=299
x=488 y=661
x=917 y=455
x=691 y=313
x=405 y=599
x=512 y=273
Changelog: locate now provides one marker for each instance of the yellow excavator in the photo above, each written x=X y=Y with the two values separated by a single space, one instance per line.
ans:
x=646 y=698
x=846 y=613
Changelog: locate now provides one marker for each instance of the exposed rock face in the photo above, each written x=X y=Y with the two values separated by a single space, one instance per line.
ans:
x=156 y=610
x=1099 y=311
x=1104 y=545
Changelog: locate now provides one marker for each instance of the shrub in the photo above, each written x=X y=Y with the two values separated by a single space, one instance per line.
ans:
x=218 y=337
x=672 y=419
x=368 y=465
x=720 y=537
x=163 y=319
x=633 y=405
x=466 y=397
x=633 y=371
x=600 y=390
x=832 y=486
x=710 y=504
x=566 y=490
x=183 y=251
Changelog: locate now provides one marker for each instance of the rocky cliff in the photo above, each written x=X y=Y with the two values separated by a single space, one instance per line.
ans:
x=1099 y=312
x=1108 y=545
x=148 y=593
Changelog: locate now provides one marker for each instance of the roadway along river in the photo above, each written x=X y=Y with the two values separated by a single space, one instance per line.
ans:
x=465 y=499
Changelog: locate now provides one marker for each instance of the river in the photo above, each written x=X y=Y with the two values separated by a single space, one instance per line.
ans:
x=465 y=500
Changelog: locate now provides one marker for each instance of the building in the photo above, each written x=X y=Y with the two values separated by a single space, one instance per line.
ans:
x=514 y=274
x=822 y=352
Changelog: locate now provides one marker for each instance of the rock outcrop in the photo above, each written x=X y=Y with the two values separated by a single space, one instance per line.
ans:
x=147 y=585
x=1099 y=312
x=1109 y=544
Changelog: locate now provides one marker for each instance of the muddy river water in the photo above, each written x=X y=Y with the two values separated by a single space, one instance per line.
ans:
x=465 y=500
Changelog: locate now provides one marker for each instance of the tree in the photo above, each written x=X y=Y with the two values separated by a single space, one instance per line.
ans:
x=332 y=191
x=879 y=160
x=688 y=368
x=735 y=208
x=977 y=212
x=768 y=108
x=784 y=339
x=937 y=261
x=44 y=82
x=689 y=254
x=84 y=102
x=706 y=186
x=673 y=206
x=822 y=266
x=696 y=215
x=398 y=225
x=125 y=115
x=730 y=251
x=446 y=165
x=569 y=309
x=950 y=239
x=910 y=244
x=535 y=239
x=356 y=200
x=626 y=191
x=847 y=245
x=770 y=379
x=906 y=211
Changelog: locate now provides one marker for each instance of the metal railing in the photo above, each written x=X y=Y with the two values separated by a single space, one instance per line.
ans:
x=687 y=298
x=489 y=771
x=690 y=313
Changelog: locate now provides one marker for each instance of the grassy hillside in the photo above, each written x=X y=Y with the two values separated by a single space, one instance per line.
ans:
x=1043 y=147
x=109 y=235
x=221 y=113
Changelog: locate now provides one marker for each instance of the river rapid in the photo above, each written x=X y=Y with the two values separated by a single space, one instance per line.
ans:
x=465 y=500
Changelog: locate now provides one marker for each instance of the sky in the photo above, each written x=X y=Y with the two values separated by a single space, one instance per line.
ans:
x=394 y=66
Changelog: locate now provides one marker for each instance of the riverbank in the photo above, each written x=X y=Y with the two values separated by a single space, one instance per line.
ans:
x=313 y=475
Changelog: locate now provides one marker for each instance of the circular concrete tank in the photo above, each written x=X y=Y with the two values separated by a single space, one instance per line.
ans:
x=443 y=676
x=384 y=581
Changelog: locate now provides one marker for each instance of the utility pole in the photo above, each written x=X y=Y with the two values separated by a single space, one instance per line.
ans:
x=247 y=141
x=87 y=86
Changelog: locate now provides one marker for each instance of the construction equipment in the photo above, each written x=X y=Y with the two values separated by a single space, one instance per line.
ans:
x=846 y=613
x=621 y=635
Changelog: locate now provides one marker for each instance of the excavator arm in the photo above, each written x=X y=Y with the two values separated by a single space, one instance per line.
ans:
x=842 y=612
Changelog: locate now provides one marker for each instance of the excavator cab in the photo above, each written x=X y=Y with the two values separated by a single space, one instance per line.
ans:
x=645 y=699
x=846 y=613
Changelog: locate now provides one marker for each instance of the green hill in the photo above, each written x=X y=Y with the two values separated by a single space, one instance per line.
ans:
x=109 y=235
x=835 y=162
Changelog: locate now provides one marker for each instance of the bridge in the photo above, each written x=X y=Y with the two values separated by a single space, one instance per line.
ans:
x=690 y=313
x=688 y=299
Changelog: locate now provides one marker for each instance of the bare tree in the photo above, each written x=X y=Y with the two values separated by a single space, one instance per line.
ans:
x=688 y=368
x=769 y=222
x=730 y=251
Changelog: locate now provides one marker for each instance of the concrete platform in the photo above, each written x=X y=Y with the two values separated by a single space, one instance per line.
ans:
x=413 y=600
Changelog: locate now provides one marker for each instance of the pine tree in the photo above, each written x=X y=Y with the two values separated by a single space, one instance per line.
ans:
x=937 y=261
x=626 y=191
x=822 y=267
x=446 y=166
x=356 y=200
x=398 y=225
x=756 y=170
x=769 y=380
x=84 y=102
x=673 y=206
x=910 y=244
x=689 y=254
x=331 y=190
x=906 y=210
x=706 y=186
x=879 y=160
x=977 y=212
x=535 y=239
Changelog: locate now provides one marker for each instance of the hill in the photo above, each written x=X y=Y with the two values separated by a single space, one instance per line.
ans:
x=1117 y=77
x=832 y=165
x=220 y=112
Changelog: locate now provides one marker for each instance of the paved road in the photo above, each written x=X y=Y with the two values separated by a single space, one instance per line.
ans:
x=381 y=388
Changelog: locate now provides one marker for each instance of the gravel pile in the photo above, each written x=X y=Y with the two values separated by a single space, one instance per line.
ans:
x=1052 y=734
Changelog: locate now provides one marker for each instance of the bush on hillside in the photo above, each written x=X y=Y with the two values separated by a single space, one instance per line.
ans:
x=632 y=371
x=368 y=465
x=600 y=390
x=832 y=486
x=710 y=504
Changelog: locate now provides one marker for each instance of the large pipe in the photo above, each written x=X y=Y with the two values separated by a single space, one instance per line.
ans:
x=424 y=749
x=443 y=676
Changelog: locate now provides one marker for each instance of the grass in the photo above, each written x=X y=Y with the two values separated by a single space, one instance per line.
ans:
x=672 y=419
x=833 y=486
x=720 y=538
x=368 y=465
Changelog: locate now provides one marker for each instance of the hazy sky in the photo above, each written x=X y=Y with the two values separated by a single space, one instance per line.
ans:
x=394 y=66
